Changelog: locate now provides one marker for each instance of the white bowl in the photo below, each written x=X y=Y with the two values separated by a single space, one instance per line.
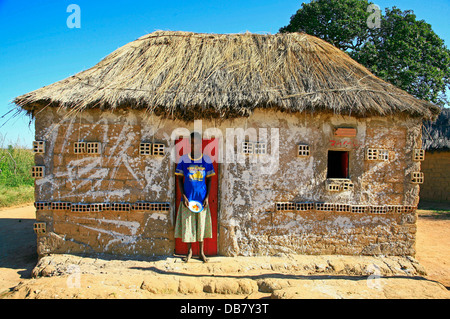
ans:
x=195 y=207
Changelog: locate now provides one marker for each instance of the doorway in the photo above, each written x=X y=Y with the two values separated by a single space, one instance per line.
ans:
x=210 y=148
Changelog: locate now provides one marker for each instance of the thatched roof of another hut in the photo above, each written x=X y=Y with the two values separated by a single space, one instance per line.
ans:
x=191 y=75
x=436 y=135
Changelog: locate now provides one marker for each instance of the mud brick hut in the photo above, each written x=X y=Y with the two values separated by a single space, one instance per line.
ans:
x=313 y=153
x=436 y=165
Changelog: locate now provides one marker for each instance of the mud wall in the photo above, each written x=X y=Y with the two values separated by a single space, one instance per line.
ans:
x=436 y=168
x=249 y=185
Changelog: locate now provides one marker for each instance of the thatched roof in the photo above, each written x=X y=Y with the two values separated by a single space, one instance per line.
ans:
x=191 y=75
x=436 y=135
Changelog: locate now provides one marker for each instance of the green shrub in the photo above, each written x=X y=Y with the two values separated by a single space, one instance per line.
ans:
x=15 y=166
x=16 y=183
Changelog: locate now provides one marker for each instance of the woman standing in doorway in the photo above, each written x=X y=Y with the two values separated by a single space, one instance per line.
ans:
x=196 y=169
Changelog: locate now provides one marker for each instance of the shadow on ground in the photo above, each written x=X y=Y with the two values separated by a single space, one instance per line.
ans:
x=18 y=245
x=273 y=275
x=434 y=210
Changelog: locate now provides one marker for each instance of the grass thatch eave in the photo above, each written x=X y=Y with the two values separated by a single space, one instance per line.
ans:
x=185 y=75
x=436 y=135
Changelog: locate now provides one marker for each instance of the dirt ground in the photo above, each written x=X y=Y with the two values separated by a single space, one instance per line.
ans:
x=17 y=245
x=433 y=241
x=282 y=277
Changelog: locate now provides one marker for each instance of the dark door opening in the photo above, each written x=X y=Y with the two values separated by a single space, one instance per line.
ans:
x=337 y=164
x=210 y=147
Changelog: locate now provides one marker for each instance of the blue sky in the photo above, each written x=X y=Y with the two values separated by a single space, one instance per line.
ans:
x=37 y=48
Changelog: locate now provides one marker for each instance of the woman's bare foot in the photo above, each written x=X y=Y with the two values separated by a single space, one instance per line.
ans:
x=202 y=253
x=203 y=258
x=188 y=256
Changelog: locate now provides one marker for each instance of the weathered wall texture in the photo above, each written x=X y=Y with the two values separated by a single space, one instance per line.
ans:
x=249 y=224
x=436 y=185
x=248 y=191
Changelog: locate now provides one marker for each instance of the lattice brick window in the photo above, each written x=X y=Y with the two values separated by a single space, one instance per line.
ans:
x=80 y=208
x=79 y=147
x=155 y=149
x=418 y=154
x=42 y=205
x=39 y=147
x=100 y=207
x=333 y=187
x=417 y=177
x=159 y=207
x=377 y=209
x=145 y=149
x=92 y=147
x=338 y=184
x=408 y=209
x=284 y=206
x=347 y=185
x=342 y=208
x=371 y=154
x=120 y=207
x=359 y=209
x=40 y=228
x=158 y=149
x=395 y=209
x=303 y=207
x=37 y=171
x=383 y=155
x=61 y=206
x=141 y=206
x=303 y=150
x=324 y=207
x=96 y=207
x=260 y=148
x=148 y=206
x=247 y=148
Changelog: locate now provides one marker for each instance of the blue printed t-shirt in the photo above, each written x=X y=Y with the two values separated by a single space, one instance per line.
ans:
x=195 y=172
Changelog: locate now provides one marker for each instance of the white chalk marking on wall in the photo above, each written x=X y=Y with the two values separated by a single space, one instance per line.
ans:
x=160 y=216
x=124 y=141
x=117 y=237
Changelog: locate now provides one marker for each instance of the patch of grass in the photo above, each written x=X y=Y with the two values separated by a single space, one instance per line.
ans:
x=434 y=210
x=431 y=205
x=434 y=214
x=10 y=196
x=15 y=166
x=16 y=183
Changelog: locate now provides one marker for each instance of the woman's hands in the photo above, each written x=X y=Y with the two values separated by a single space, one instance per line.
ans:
x=185 y=201
x=208 y=189
x=184 y=198
x=205 y=202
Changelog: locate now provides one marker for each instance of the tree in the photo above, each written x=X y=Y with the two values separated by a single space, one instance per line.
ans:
x=339 y=22
x=403 y=51
x=407 y=53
